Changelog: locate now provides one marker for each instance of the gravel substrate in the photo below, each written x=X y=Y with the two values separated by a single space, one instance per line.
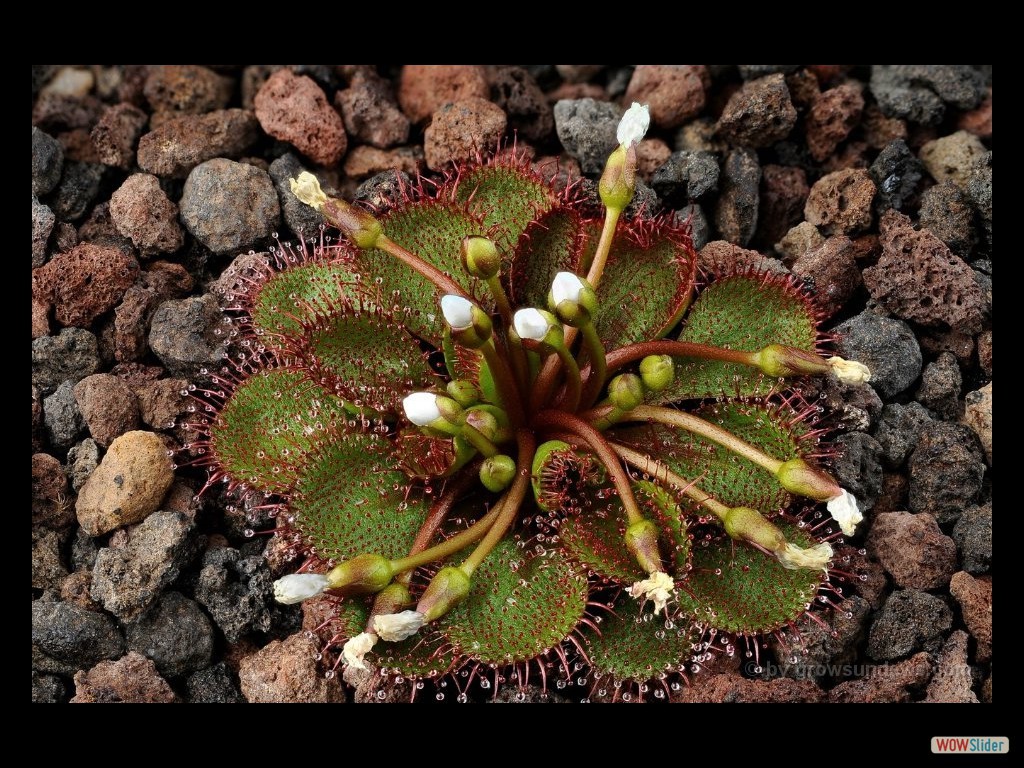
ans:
x=871 y=184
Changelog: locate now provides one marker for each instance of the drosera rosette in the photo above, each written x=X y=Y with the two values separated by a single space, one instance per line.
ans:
x=512 y=441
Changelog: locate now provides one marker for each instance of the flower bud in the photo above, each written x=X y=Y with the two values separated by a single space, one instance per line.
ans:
x=748 y=524
x=297 y=587
x=362 y=575
x=782 y=360
x=464 y=392
x=457 y=311
x=483 y=422
x=497 y=472
x=642 y=542
x=446 y=590
x=572 y=299
x=469 y=325
x=657 y=372
x=618 y=182
x=480 y=257
x=626 y=391
x=800 y=477
x=850 y=371
x=844 y=510
x=359 y=226
x=535 y=326
x=426 y=409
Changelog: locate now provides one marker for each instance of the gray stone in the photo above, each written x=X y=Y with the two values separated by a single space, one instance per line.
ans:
x=885 y=345
x=78 y=187
x=229 y=206
x=47 y=162
x=300 y=218
x=858 y=468
x=979 y=192
x=62 y=416
x=909 y=621
x=42 y=225
x=940 y=387
x=175 y=634
x=700 y=230
x=127 y=580
x=896 y=173
x=47 y=568
x=214 y=685
x=187 y=335
x=946 y=210
x=686 y=176
x=898 y=431
x=238 y=592
x=66 y=638
x=587 y=129
x=72 y=354
x=47 y=689
x=973 y=536
x=82 y=460
x=736 y=210
x=946 y=471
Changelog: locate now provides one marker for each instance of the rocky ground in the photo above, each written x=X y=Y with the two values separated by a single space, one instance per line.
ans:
x=872 y=184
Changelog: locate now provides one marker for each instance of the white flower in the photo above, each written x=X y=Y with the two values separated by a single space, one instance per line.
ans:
x=421 y=408
x=298 y=587
x=457 y=311
x=634 y=125
x=393 y=627
x=844 y=511
x=794 y=557
x=566 y=287
x=307 y=189
x=850 y=371
x=531 y=324
x=657 y=588
x=356 y=648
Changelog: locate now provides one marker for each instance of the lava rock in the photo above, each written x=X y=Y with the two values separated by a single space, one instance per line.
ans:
x=858 y=467
x=300 y=218
x=127 y=580
x=721 y=258
x=72 y=354
x=979 y=191
x=131 y=323
x=383 y=190
x=737 y=207
x=759 y=114
x=82 y=462
x=425 y=88
x=824 y=650
x=782 y=197
x=889 y=683
x=912 y=549
x=294 y=108
x=940 y=387
x=47 y=689
x=587 y=130
x=371 y=115
x=184 y=335
x=460 y=130
x=801 y=239
x=946 y=471
x=947 y=212
x=66 y=637
x=142 y=212
x=898 y=431
x=47 y=568
x=115 y=136
x=175 y=634
x=287 y=672
x=918 y=92
x=47 y=162
x=832 y=272
x=176 y=147
x=918 y=279
x=896 y=173
x=952 y=158
x=700 y=229
x=132 y=679
x=524 y=103
x=978 y=416
x=909 y=621
x=973 y=536
x=238 y=591
x=50 y=504
x=85 y=282
x=228 y=206
x=686 y=176
x=974 y=596
x=127 y=486
x=886 y=346
x=674 y=93
x=63 y=419
x=833 y=114
x=706 y=689
x=78 y=186
x=108 y=406
x=186 y=89
x=365 y=161
x=214 y=685
x=42 y=225
x=840 y=203
x=952 y=682
x=161 y=402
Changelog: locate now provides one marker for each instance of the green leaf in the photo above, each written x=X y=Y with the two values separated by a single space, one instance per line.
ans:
x=506 y=196
x=736 y=588
x=300 y=293
x=729 y=478
x=352 y=500
x=432 y=230
x=522 y=603
x=636 y=647
x=647 y=284
x=272 y=427
x=550 y=245
x=595 y=537
x=366 y=355
x=746 y=313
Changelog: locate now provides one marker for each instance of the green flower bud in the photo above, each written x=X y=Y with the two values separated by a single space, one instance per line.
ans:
x=642 y=542
x=480 y=257
x=446 y=590
x=800 y=477
x=657 y=372
x=626 y=391
x=464 y=392
x=748 y=524
x=781 y=360
x=497 y=472
x=362 y=575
